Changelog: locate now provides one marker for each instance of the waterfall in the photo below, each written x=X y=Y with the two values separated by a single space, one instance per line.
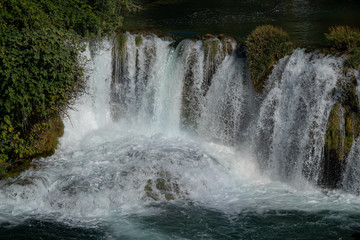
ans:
x=198 y=85
x=172 y=137
x=290 y=130
x=225 y=111
x=92 y=111
x=146 y=87
x=204 y=88
x=351 y=177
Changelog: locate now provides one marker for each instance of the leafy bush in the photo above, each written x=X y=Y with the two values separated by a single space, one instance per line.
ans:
x=41 y=72
x=346 y=40
x=111 y=13
x=265 y=46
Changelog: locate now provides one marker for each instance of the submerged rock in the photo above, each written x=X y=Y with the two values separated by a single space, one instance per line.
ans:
x=163 y=187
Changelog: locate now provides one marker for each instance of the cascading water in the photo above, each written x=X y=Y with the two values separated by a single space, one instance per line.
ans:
x=147 y=87
x=351 y=177
x=157 y=150
x=290 y=130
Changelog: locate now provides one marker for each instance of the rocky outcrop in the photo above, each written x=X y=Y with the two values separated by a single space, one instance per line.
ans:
x=342 y=130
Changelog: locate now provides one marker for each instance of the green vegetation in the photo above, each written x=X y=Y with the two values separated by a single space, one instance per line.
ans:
x=138 y=40
x=212 y=47
x=265 y=46
x=333 y=136
x=342 y=130
x=346 y=40
x=120 y=44
x=40 y=69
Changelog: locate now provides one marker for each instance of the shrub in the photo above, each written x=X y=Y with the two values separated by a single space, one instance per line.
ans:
x=40 y=76
x=265 y=46
x=346 y=40
x=40 y=71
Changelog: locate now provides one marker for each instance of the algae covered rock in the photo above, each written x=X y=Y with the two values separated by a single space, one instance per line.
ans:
x=342 y=130
x=138 y=40
x=265 y=46
x=120 y=43
x=47 y=141
x=42 y=142
x=163 y=187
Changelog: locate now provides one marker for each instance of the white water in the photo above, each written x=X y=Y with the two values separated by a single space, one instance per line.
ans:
x=130 y=135
x=351 y=177
x=293 y=116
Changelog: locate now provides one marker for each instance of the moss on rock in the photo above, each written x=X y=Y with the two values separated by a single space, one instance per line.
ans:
x=138 y=40
x=43 y=143
x=334 y=138
x=120 y=44
x=162 y=187
x=342 y=130
x=265 y=46
x=47 y=142
x=212 y=47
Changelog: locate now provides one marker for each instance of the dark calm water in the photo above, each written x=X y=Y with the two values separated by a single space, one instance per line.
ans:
x=187 y=221
x=305 y=20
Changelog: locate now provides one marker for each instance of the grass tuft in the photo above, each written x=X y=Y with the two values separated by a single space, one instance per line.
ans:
x=346 y=40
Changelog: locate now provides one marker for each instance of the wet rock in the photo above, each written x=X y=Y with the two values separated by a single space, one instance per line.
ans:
x=342 y=130
x=138 y=40
x=163 y=187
